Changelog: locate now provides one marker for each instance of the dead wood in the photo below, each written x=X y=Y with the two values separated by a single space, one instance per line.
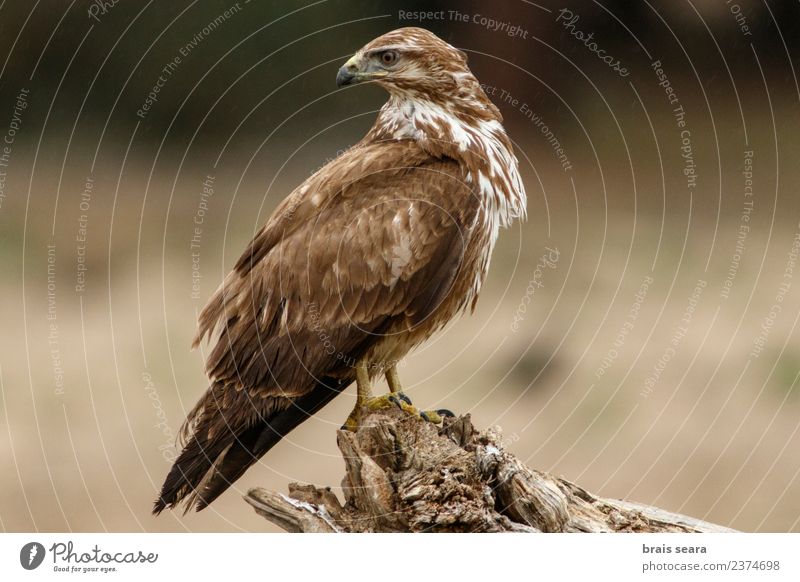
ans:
x=406 y=475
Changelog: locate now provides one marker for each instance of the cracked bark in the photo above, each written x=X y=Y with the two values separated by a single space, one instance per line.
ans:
x=405 y=475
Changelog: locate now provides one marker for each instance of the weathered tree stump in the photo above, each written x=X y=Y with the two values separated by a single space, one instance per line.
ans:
x=406 y=475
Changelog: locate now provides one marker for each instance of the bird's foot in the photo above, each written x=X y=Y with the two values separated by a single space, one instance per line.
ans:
x=434 y=416
x=383 y=402
x=391 y=400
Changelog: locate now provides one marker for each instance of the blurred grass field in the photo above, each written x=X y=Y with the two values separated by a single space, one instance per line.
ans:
x=606 y=366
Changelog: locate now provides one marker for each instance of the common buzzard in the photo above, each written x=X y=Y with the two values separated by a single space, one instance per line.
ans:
x=363 y=261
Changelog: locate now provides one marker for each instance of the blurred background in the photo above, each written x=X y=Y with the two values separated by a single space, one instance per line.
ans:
x=637 y=335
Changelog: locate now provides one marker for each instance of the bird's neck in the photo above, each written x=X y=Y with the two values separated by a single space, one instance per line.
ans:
x=467 y=131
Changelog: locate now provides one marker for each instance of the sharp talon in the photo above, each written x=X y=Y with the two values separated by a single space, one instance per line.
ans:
x=436 y=416
x=395 y=400
x=404 y=398
x=431 y=416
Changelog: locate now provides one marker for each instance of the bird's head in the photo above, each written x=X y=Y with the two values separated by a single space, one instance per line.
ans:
x=434 y=99
x=409 y=62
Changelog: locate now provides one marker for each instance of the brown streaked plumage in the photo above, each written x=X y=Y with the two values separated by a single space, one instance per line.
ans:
x=363 y=261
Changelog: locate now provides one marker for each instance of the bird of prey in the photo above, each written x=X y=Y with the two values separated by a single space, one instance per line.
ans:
x=362 y=262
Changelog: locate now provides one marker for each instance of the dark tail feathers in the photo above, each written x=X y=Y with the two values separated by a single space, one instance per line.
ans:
x=208 y=466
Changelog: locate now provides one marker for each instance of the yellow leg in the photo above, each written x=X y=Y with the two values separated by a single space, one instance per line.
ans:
x=362 y=383
x=393 y=379
x=365 y=399
x=363 y=396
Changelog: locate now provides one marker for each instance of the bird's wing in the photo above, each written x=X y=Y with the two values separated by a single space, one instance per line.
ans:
x=375 y=238
x=378 y=234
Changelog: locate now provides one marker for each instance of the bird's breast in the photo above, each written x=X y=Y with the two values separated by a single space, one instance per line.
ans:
x=406 y=333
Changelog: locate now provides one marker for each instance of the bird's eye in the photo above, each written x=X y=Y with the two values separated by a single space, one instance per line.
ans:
x=389 y=57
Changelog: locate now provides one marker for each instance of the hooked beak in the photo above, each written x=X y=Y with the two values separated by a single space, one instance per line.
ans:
x=345 y=77
x=350 y=72
x=357 y=70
